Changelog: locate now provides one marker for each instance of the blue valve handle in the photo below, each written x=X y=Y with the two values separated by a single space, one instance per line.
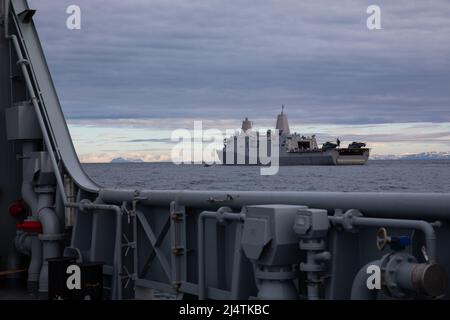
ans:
x=398 y=243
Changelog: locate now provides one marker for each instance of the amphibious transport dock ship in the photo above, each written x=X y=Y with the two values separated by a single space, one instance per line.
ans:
x=294 y=149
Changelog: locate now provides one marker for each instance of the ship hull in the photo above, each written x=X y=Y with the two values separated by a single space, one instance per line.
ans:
x=353 y=157
x=288 y=159
x=309 y=159
x=316 y=158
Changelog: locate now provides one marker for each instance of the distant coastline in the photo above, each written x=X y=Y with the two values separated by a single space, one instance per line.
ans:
x=126 y=160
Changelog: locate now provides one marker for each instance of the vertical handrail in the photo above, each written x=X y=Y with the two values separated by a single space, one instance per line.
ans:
x=222 y=214
x=22 y=62
x=117 y=259
x=39 y=92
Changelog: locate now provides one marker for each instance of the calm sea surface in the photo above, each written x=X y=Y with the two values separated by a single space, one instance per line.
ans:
x=396 y=175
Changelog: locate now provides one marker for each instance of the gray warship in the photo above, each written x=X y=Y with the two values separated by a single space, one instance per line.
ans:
x=294 y=149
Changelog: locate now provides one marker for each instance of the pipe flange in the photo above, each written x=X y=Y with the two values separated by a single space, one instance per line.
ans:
x=85 y=205
x=390 y=265
x=220 y=214
x=429 y=279
x=347 y=220
x=30 y=225
x=312 y=245
x=404 y=277
x=52 y=237
x=45 y=189
x=312 y=267
x=315 y=282
x=276 y=275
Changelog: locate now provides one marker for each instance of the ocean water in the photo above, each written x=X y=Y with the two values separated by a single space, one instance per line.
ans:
x=376 y=175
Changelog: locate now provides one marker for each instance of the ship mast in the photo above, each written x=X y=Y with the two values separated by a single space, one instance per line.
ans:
x=246 y=125
x=282 y=122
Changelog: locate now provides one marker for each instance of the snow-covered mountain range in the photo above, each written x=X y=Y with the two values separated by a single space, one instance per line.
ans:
x=414 y=156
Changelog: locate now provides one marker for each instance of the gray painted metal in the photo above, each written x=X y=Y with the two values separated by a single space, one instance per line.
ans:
x=10 y=168
x=50 y=106
x=398 y=205
x=354 y=219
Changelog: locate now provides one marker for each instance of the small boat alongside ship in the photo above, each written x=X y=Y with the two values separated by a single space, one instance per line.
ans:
x=294 y=149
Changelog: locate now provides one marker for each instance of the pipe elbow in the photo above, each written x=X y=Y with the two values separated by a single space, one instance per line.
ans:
x=360 y=290
x=427 y=229
x=29 y=196
x=430 y=238
x=49 y=221
x=22 y=243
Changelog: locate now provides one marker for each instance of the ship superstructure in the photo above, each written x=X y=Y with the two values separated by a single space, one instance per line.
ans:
x=244 y=148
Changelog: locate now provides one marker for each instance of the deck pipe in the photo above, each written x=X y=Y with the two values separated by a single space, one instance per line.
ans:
x=30 y=198
x=51 y=235
x=87 y=205
x=372 y=204
x=14 y=262
x=59 y=208
x=425 y=227
x=22 y=243
x=34 y=268
x=316 y=256
x=28 y=171
x=28 y=243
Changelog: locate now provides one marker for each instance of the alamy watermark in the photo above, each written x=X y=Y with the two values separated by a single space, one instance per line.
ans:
x=207 y=146
x=373 y=22
x=373 y=281
x=73 y=21
x=73 y=281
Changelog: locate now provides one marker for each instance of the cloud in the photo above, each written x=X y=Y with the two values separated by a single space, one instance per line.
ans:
x=105 y=141
x=160 y=123
x=211 y=59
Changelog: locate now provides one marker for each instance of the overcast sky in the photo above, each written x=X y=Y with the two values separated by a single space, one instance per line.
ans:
x=143 y=67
